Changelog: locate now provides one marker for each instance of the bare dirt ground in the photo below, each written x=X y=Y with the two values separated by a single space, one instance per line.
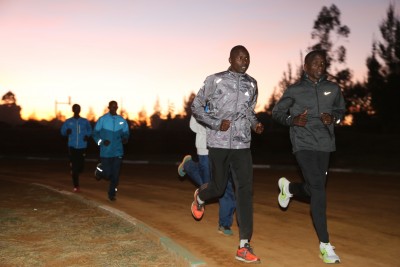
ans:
x=41 y=227
x=363 y=213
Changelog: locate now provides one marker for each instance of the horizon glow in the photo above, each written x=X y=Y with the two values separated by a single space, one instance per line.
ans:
x=140 y=52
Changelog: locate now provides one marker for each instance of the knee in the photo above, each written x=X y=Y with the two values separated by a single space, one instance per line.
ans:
x=219 y=191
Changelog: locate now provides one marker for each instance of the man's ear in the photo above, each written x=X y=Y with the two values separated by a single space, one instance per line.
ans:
x=230 y=61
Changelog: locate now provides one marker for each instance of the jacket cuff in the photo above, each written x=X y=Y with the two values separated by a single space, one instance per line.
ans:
x=289 y=120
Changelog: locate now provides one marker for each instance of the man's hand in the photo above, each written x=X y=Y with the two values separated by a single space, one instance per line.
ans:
x=301 y=119
x=326 y=118
x=259 y=128
x=225 y=124
x=106 y=142
x=69 y=131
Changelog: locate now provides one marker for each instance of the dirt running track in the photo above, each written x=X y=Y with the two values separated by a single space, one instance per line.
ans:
x=363 y=213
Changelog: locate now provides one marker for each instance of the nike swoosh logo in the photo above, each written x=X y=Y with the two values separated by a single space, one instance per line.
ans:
x=327 y=93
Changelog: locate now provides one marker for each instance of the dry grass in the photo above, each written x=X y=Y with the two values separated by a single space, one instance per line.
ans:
x=39 y=227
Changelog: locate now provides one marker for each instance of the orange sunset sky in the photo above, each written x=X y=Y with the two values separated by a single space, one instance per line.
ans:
x=138 y=51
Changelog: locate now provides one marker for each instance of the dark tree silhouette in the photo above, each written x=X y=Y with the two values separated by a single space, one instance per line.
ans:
x=288 y=78
x=384 y=78
x=389 y=48
x=8 y=99
x=10 y=112
x=91 y=116
x=328 y=23
x=155 y=118
x=141 y=122
x=186 y=105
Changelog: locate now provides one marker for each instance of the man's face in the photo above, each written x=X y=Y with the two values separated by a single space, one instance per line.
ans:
x=76 y=109
x=240 y=61
x=113 y=108
x=315 y=69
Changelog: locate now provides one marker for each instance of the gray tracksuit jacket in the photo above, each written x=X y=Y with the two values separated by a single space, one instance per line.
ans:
x=320 y=97
x=231 y=96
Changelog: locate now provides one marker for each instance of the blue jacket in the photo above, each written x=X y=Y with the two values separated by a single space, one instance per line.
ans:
x=79 y=129
x=113 y=128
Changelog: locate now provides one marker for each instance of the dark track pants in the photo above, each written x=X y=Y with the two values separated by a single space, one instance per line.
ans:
x=111 y=170
x=77 y=162
x=240 y=162
x=314 y=166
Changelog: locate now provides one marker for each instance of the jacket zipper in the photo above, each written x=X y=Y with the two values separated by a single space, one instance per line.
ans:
x=236 y=106
x=326 y=126
x=316 y=94
x=77 y=133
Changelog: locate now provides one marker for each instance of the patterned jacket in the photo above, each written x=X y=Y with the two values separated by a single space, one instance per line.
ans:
x=231 y=96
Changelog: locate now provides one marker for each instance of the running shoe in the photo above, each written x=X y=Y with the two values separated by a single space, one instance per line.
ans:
x=98 y=172
x=284 y=195
x=225 y=230
x=328 y=254
x=246 y=254
x=181 y=171
x=197 y=209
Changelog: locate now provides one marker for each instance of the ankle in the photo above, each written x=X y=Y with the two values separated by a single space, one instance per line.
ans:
x=201 y=202
x=243 y=242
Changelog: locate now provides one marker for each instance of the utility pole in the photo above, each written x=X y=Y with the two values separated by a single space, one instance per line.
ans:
x=61 y=103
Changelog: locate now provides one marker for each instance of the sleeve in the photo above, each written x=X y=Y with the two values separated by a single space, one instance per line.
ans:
x=281 y=108
x=196 y=127
x=96 y=132
x=88 y=128
x=200 y=106
x=251 y=115
x=64 y=129
x=339 y=107
x=192 y=124
x=125 y=130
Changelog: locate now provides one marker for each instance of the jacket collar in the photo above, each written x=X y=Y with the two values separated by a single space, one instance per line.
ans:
x=236 y=74
x=306 y=78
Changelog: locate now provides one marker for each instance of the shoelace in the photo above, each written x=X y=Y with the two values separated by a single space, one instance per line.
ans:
x=330 y=250
x=250 y=249
x=285 y=189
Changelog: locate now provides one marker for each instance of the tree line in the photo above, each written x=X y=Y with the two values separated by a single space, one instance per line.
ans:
x=371 y=103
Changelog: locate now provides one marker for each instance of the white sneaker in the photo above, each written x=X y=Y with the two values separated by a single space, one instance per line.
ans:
x=284 y=195
x=328 y=254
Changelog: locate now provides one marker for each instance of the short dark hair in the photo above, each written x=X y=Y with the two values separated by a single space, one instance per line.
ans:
x=236 y=49
x=112 y=101
x=311 y=55
x=75 y=105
